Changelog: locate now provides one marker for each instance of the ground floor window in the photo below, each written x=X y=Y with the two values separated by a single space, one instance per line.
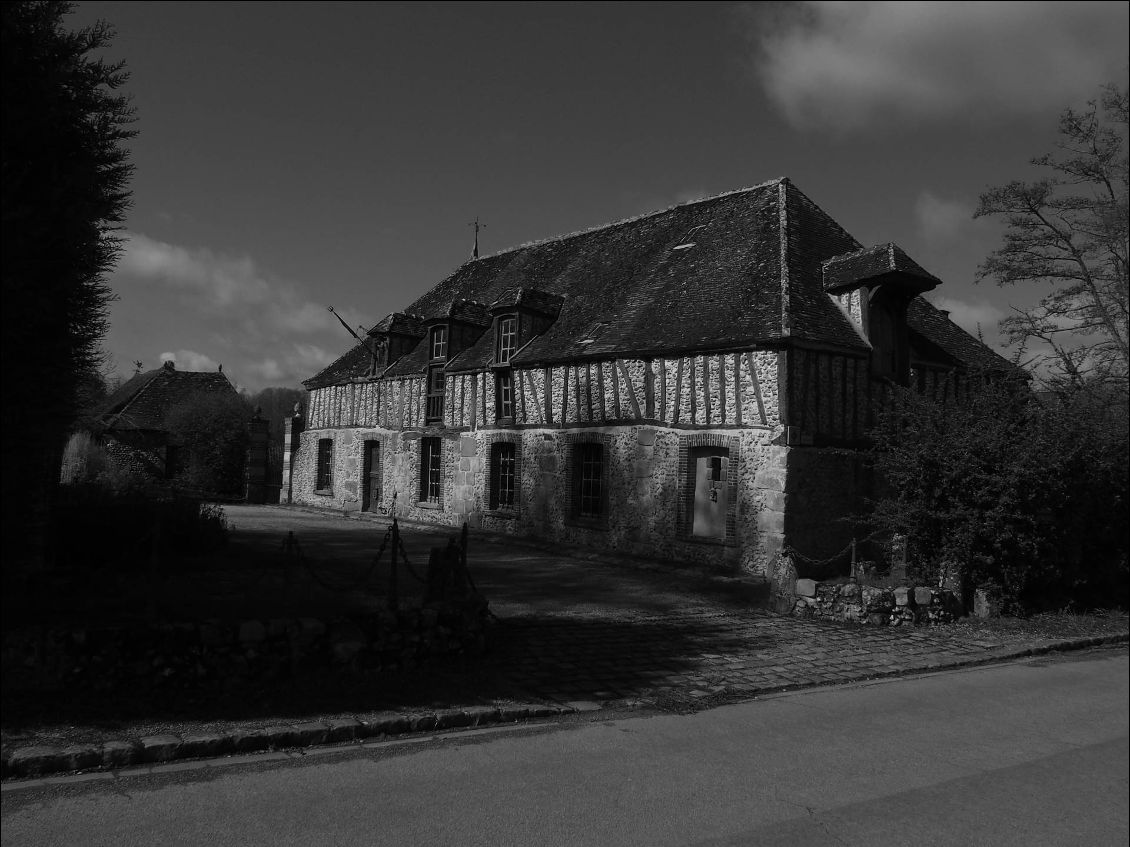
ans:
x=503 y=475
x=431 y=470
x=325 y=475
x=588 y=480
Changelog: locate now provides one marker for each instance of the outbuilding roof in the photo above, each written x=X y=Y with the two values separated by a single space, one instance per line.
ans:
x=144 y=401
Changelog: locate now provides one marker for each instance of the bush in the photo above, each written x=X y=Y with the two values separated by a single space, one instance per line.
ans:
x=101 y=527
x=1006 y=488
x=211 y=431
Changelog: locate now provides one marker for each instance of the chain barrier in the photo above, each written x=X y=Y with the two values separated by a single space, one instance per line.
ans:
x=792 y=552
x=293 y=549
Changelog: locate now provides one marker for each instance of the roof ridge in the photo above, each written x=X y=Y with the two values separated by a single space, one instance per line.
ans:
x=783 y=246
x=632 y=219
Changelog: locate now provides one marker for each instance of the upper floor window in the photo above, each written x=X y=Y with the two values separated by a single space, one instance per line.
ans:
x=436 y=390
x=439 y=342
x=507 y=338
x=504 y=395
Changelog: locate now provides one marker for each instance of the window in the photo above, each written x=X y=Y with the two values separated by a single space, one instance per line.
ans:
x=588 y=480
x=504 y=395
x=503 y=475
x=431 y=470
x=439 y=343
x=435 y=394
x=507 y=338
x=325 y=480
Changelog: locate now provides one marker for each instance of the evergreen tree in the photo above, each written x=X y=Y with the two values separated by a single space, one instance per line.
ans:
x=65 y=190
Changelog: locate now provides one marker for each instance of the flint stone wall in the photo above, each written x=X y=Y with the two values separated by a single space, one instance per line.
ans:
x=850 y=602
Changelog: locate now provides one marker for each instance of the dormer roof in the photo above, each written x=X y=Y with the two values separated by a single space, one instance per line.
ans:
x=881 y=264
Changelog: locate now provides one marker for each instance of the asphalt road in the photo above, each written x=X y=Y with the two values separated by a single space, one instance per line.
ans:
x=1030 y=753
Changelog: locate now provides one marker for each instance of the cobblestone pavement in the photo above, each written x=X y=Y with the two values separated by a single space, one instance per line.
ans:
x=575 y=631
x=694 y=660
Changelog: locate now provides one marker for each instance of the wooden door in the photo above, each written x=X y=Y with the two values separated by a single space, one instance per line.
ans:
x=710 y=497
x=371 y=483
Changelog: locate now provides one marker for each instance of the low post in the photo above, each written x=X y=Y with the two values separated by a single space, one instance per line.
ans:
x=393 y=599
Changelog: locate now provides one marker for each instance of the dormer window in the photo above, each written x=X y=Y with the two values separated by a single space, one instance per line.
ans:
x=507 y=338
x=439 y=343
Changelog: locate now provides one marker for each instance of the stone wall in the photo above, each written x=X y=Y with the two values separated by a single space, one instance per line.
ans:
x=643 y=487
x=191 y=656
x=851 y=602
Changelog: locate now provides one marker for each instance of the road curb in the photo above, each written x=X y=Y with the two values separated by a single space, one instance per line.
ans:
x=40 y=760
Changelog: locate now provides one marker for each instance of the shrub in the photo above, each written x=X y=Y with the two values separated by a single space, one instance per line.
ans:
x=1027 y=493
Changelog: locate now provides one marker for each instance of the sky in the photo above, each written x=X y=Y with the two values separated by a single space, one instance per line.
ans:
x=294 y=156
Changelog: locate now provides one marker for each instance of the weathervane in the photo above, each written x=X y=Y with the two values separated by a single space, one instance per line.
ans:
x=477 y=226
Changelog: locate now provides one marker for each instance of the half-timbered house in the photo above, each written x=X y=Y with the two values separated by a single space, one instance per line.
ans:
x=691 y=384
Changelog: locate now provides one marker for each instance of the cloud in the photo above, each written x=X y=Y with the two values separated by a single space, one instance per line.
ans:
x=233 y=286
x=941 y=221
x=851 y=65
x=264 y=328
x=980 y=316
x=190 y=360
x=299 y=362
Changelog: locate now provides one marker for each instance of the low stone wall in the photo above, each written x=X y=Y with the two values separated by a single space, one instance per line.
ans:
x=854 y=603
x=193 y=656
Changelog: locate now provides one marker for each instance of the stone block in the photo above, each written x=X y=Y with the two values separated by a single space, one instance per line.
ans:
x=120 y=754
x=77 y=757
x=452 y=719
x=986 y=602
x=468 y=446
x=34 y=761
x=386 y=724
x=342 y=729
x=160 y=748
x=643 y=468
x=483 y=715
x=876 y=599
x=903 y=596
x=250 y=740
x=774 y=500
x=206 y=744
x=923 y=596
x=422 y=722
x=513 y=713
x=645 y=437
x=311 y=628
x=806 y=588
x=281 y=735
x=849 y=590
x=309 y=733
x=252 y=632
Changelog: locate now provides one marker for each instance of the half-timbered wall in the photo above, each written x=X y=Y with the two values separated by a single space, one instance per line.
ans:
x=828 y=395
x=727 y=390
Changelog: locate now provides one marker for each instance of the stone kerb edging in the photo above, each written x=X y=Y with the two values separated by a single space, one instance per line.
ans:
x=854 y=603
x=157 y=749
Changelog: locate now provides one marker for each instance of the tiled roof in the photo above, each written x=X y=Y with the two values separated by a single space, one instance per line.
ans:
x=144 y=401
x=740 y=270
x=933 y=325
x=528 y=298
x=356 y=362
x=398 y=322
